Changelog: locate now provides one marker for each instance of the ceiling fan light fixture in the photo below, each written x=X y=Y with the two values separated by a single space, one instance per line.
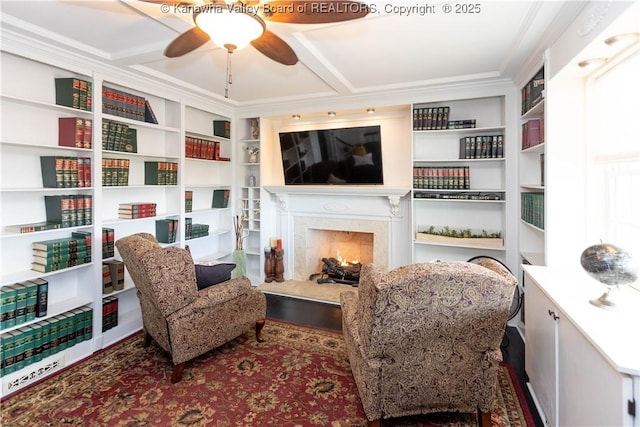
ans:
x=592 y=63
x=371 y=110
x=331 y=113
x=229 y=28
x=295 y=116
x=619 y=39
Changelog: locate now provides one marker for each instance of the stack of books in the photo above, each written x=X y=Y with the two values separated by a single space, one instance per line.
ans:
x=200 y=148
x=75 y=132
x=115 y=172
x=74 y=92
x=136 y=210
x=124 y=104
x=108 y=242
x=65 y=171
x=193 y=231
x=69 y=210
x=58 y=254
x=109 y=313
x=188 y=201
x=119 y=137
x=160 y=173
x=441 y=178
x=166 y=230
x=482 y=147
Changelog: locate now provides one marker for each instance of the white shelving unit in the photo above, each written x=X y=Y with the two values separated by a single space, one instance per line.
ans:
x=28 y=91
x=250 y=199
x=446 y=207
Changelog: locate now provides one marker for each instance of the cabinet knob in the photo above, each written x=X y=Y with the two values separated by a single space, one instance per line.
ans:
x=553 y=314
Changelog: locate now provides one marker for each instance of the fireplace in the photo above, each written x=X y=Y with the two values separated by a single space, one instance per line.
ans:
x=337 y=255
x=361 y=223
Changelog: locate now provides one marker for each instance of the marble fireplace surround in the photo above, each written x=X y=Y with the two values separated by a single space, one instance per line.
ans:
x=301 y=209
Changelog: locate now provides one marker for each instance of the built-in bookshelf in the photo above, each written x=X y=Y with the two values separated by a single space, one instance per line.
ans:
x=532 y=170
x=459 y=179
x=124 y=168
x=248 y=180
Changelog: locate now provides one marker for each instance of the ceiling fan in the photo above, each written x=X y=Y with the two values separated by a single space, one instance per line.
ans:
x=231 y=24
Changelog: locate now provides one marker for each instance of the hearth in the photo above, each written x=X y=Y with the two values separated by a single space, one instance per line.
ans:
x=339 y=271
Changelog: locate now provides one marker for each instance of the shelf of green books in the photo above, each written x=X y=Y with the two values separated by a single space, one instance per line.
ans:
x=53 y=309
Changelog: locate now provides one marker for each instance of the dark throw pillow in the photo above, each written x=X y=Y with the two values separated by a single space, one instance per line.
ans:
x=209 y=273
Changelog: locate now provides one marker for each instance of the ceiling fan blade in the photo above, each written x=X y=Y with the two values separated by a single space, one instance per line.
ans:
x=186 y=42
x=313 y=12
x=275 y=48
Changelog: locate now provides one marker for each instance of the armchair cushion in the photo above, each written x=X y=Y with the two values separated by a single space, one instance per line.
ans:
x=209 y=273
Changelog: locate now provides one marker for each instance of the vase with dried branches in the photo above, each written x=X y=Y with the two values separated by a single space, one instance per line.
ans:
x=239 y=257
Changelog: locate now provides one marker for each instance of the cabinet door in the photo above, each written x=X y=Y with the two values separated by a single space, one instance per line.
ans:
x=591 y=392
x=541 y=350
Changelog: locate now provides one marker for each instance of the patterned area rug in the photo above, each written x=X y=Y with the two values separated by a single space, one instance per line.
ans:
x=298 y=377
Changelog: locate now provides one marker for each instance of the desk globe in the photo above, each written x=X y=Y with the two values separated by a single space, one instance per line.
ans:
x=611 y=266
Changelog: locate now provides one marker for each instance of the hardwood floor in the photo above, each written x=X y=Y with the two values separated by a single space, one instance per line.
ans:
x=329 y=316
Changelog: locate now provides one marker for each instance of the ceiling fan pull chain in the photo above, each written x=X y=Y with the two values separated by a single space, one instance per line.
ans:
x=228 y=82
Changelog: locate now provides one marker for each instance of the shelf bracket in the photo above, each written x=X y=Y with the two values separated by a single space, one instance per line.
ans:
x=394 y=201
x=283 y=200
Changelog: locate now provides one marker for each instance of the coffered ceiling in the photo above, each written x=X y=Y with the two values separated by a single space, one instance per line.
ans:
x=391 y=49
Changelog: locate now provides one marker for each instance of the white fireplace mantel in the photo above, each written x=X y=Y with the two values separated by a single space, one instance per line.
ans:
x=393 y=194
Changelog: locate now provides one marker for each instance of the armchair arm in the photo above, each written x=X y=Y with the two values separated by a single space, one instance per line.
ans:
x=220 y=293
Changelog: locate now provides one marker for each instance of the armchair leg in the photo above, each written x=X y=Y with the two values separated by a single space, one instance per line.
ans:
x=146 y=340
x=259 y=326
x=178 y=370
x=484 y=419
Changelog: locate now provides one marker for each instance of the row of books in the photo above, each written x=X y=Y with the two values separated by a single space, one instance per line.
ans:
x=136 y=210
x=532 y=133
x=124 y=104
x=115 y=172
x=31 y=343
x=118 y=136
x=69 y=210
x=437 y=118
x=74 y=92
x=160 y=173
x=109 y=313
x=441 y=178
x=533 y=92
x=194 y=231
x=467 y=195
x=200 y=148
x=112 y=276
x=75 y=132
x=167 y=230
x=482 y=147
x=23 y=302
x=188 y=201
x=65 y=171
x=532 y=208
x=108 y=242
x=58 y=254
x=222 y=128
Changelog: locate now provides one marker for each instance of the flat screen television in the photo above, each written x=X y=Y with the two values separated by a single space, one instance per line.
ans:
x=349 y=156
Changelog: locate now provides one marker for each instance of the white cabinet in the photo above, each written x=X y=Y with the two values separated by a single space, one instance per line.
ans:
x=582 y=365
x=459 y=178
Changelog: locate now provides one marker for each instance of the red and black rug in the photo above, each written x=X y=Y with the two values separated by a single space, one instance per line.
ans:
x=299 y=376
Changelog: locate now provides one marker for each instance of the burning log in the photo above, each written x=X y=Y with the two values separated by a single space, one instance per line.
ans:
x=338 y=272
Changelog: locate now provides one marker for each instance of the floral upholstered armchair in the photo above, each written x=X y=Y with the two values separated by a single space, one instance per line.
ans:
x=426 y=337
x=185 y=321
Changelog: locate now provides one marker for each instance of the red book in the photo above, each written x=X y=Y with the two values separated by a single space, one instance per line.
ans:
x=71 y=132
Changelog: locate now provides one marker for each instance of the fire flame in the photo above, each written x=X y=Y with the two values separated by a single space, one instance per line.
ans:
x=344 y=261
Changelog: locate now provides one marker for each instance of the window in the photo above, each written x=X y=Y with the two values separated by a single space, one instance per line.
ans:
x=613 y=160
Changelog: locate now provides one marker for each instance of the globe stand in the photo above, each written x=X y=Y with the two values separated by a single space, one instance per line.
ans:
x=606 y=301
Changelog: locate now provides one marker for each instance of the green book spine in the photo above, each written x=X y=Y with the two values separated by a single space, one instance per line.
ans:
x=47 y=337
x=68 y=92
x=27 y=334
x=69 y=329
x=78 y=324
x=52 y=169
x=32 y=300
x=38 y=347
x=88 y=322
x=20 y=349
x=8 y=342
x=42 y=296
x=220 y=198
x=56 y=335
x=21 y=302
x=222 y=128
x=7 y=306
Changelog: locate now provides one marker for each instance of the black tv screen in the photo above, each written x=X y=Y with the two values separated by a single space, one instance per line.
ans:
x=348 y=156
